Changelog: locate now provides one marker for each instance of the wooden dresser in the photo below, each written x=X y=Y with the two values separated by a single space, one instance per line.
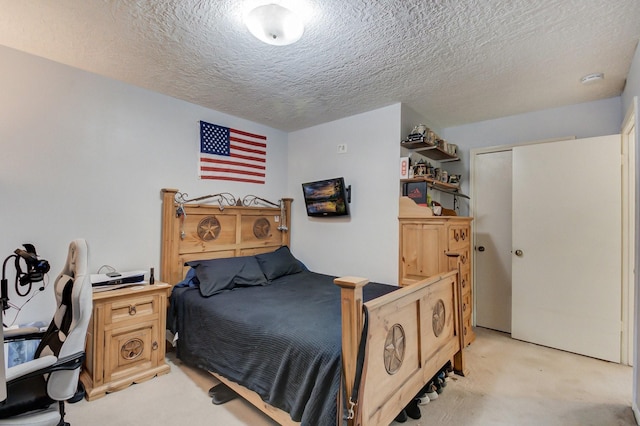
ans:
x=125 y=339
x=430 y=245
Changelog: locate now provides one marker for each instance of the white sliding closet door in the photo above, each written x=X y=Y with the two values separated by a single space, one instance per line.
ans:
x=492 y=219
x=566 y=227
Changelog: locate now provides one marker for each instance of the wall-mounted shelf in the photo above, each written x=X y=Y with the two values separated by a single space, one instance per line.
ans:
x=437 y=185
x=431 y=151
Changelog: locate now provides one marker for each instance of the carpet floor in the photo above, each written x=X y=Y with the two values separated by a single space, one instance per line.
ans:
x=509 y=383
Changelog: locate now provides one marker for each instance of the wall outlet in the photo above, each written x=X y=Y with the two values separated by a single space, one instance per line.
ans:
x=342 y=148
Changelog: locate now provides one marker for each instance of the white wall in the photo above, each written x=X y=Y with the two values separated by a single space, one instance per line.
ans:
x=583 y=120
x=632 y=86
x=86 y=156
x=366 y=243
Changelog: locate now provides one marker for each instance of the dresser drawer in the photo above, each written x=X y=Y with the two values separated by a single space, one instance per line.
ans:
x=467 y=330
x=466 y=303
x=139 y=308
x=459 y=236
x=463 y=258
x=465 y=280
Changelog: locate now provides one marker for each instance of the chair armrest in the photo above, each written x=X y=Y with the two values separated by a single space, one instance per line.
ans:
x=46 y=364
x=70 y=362
x=22 y=333
x=29 y=367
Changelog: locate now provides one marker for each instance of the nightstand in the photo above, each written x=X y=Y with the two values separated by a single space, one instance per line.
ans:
x=125 y=339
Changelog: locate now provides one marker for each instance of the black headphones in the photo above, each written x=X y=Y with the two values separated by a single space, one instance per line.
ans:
x=36 y=268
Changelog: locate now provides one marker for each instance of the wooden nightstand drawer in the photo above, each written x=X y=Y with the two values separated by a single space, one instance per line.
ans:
x=139 y=307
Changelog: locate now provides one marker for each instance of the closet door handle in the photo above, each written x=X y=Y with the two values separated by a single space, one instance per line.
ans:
x=480 y=248
x=519 y=253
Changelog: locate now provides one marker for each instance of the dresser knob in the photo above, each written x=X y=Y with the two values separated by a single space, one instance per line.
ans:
x=154 y=346
x=132 y=309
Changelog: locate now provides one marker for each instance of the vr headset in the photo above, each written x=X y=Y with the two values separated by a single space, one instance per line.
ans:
x=36 y=268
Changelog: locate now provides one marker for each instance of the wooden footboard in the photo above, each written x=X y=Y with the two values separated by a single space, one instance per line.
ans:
x=412 y=333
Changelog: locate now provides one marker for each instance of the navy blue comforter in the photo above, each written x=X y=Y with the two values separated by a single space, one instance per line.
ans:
x=282 y=340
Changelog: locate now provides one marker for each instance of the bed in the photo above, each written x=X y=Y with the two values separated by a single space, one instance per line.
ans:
x=297 y=363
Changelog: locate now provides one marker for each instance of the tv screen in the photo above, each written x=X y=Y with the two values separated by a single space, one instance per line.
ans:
x=326 y=197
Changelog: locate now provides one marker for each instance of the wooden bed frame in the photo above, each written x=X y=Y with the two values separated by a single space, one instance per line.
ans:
x=412 y=332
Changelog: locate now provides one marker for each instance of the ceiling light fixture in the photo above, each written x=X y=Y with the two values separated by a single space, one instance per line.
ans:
x=592 y=78
x=275 y=24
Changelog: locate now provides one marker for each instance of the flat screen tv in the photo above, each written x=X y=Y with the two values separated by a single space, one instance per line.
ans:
x=328 y=197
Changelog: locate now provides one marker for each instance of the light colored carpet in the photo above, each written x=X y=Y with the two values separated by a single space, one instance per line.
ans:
x=510 y=383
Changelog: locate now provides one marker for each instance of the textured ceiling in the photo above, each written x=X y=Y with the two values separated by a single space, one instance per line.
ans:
x=454 y=62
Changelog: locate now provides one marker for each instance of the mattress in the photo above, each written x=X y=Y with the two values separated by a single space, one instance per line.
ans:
x=281 y=340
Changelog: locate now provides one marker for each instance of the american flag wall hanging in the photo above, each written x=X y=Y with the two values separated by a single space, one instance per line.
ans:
x=230 y=154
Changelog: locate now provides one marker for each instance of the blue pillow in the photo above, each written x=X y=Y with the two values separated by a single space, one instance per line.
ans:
x=279 y=263
x=190 y=280
x=217 y=275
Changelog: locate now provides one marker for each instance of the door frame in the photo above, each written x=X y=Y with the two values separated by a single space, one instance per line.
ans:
x=629 y=231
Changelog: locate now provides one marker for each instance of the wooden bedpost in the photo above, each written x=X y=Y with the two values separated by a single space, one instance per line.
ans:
x=286 y=235
x=351 y=306
x=168 y=271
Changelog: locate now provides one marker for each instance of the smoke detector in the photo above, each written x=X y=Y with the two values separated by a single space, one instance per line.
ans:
x=592 y=78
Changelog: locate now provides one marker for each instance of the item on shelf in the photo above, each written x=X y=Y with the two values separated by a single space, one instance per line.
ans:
x=405 y=168
x=414 y=137
x=431 y=171
x=420 y=128
x=422 y=134
x=417 y=191
x=436 y=208
x=431 y=145
x=432 y=138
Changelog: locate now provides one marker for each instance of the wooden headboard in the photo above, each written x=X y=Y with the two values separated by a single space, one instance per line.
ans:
x=209 y=231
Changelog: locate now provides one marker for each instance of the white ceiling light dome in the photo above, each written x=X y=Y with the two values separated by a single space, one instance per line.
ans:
x=275 y=24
